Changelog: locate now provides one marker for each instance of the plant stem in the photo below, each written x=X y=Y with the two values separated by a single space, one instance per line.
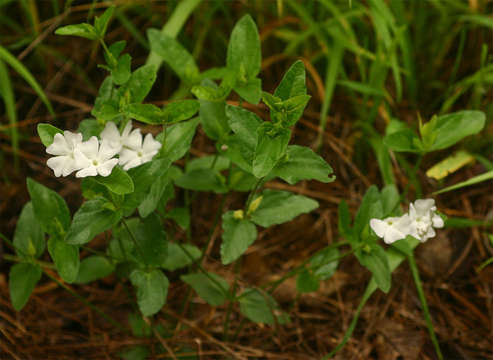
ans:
x=252 y=193
x=201 y=268
x=137 y=246
x=18 y=259
x=422 y=298
x=231 y=302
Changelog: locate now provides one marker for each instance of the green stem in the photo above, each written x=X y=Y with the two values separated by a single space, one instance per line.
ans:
x=201 y=268
x=137 y=246
x=108 y=52
x=231 y=302
x=14 y=258
x=211 y=231
x=422 y=298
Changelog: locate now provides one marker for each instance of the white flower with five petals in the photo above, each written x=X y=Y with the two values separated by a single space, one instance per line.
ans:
x=63 y=147
x=131 y=158
x=94 y=158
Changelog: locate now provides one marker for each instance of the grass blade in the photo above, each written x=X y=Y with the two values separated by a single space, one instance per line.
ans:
x=24 y=72
x=7 y=93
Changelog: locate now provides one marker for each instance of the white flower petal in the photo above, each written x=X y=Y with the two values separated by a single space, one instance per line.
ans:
x=59 y=146
x=90 y=148
x=379 y=227
x=88 y=171
x=133 y=140
x=127 y=129
x=150 y=145
x=133 y=163
x=72 y=139
x=437 y=221
x=107 y=150
x=105 y=168
x=424 y=206
x=127 y=155
x=111 y=135
x=81 y=160
x=392 y=234
x=57 y=164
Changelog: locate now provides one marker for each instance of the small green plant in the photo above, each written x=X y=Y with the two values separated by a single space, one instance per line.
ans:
x=128 y=181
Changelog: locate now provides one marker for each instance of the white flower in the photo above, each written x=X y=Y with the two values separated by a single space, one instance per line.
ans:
x=419 y=222
x=131 y=158
x=392 y=229
x=129 y=138
x=63 y=147
x=424 y=218
x=94 y=158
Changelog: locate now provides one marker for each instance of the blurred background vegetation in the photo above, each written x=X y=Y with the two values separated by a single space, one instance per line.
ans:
x=368 y=62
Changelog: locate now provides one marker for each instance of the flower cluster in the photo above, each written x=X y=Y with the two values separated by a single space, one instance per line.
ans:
x=419 y=222
x=97 y=156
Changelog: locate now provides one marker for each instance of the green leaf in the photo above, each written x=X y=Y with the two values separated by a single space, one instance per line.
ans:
x=139 y=326
x=363 y=215
x=29 y=238
x=177 y=258
x=118 y=182
x=65 y=257
x=244 y=54
x=49 y=207
x=240 y=180
x=212 y=291
x=294 y=108
x=177 y=139
x=251 y=91
x=93 y=268
x=307 y=282
x=152 y=243
x=301 y=163
x=92 y=218
x=271 y=146
x=278 y=207
x=202 y=180
x=115 y=49
x=91 y=189
x=146 y=113
x=152 y=290
x=474 y=180
x=324 y=263
x=213 y=119
x=23 y=277
x=403 y=141
x=205 y=162
x=293 y=82
x=47 y=132
x=143 y=176
x=107 y=102
x=238 y=235
x=390 y=199
x=81 y=30
x=180 y=110
x=122 y=246
x=244 y=124
x=89 y=127
x=180 y=215
x=122 y=72
x=154 y=195
x=140 y=83
x=377 y=262
x=260 y=307
x=451 y=128
x=26 y=75
x=272 y=102
x=173 y=54
x=101 y=22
